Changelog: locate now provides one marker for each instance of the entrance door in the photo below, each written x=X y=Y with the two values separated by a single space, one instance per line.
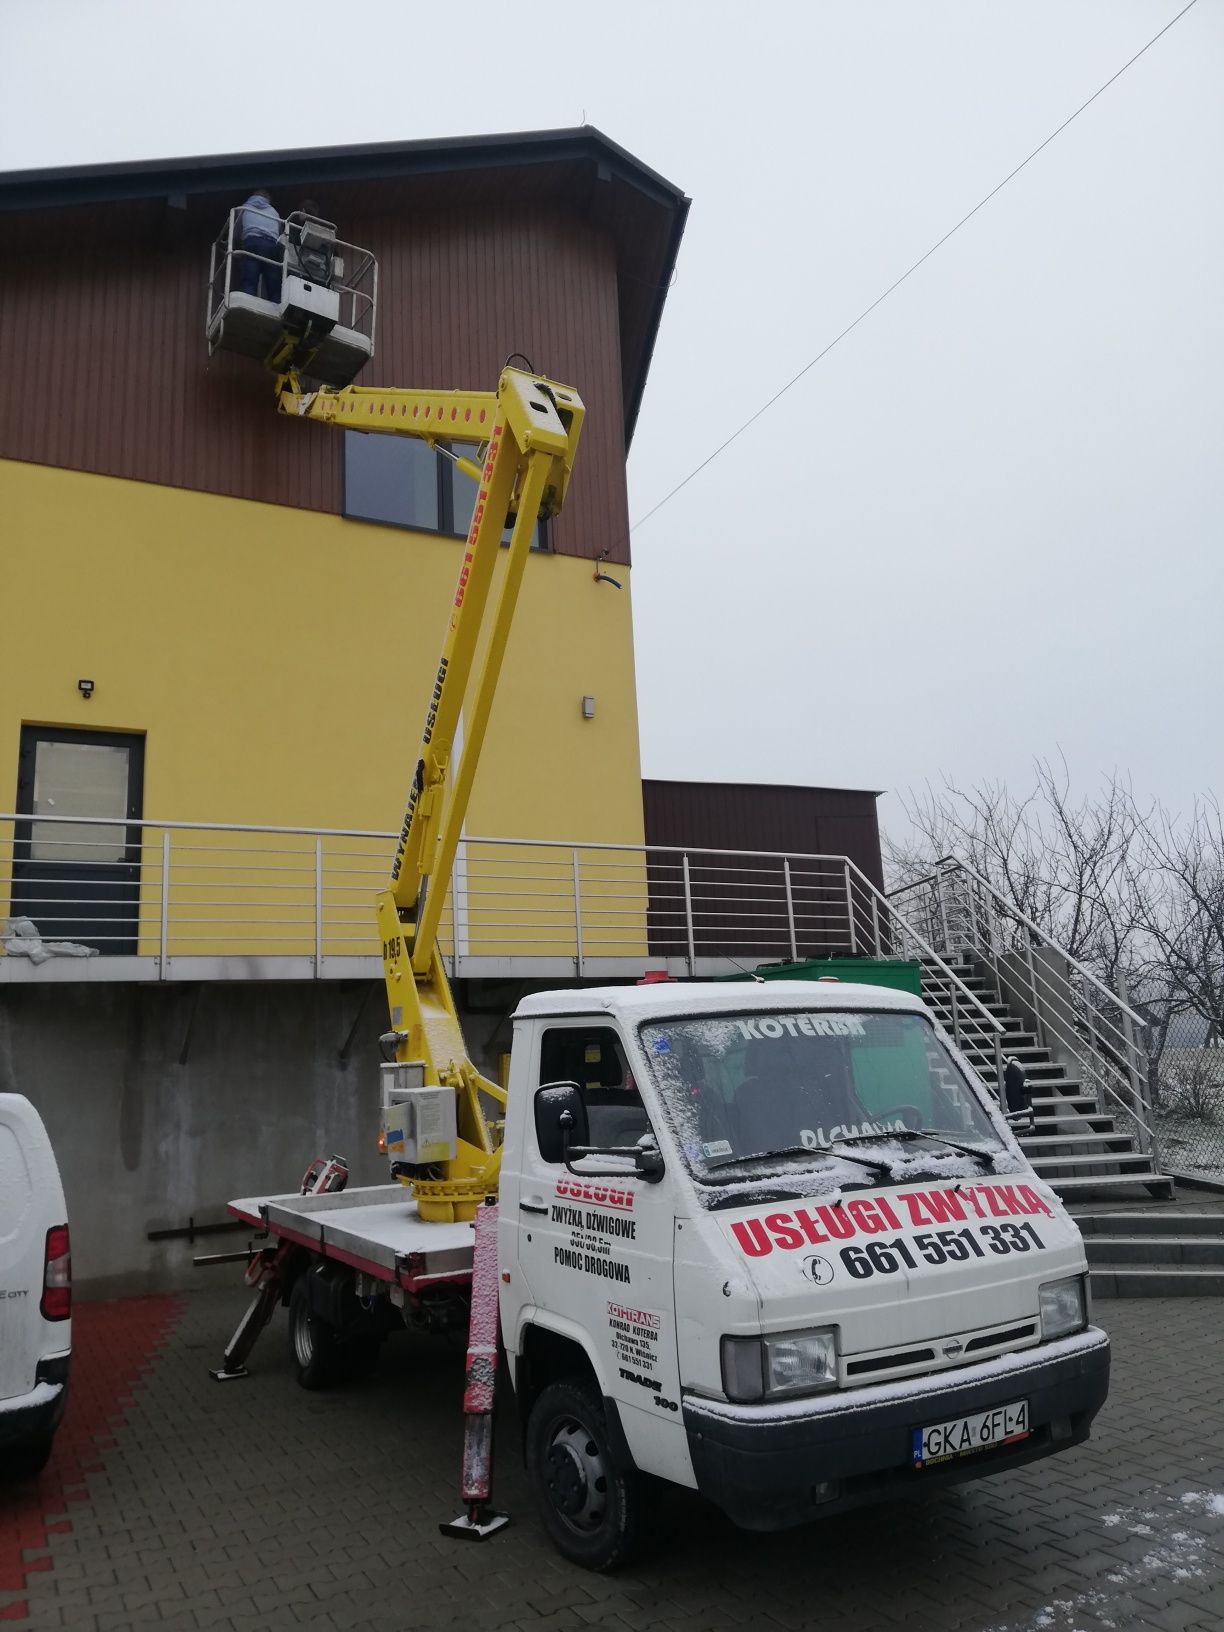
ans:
x=79 y=880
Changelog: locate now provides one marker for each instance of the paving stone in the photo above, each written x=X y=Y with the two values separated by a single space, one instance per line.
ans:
x=257 y=1507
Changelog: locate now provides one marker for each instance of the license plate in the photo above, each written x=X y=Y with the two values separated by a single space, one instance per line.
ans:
x=964 y=1435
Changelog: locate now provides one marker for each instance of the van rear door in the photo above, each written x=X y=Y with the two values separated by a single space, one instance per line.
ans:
x=31 y=1203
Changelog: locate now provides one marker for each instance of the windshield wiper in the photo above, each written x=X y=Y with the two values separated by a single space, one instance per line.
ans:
x=874 y=1164
x=905 y=1135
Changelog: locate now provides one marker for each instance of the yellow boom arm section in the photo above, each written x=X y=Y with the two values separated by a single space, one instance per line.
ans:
x=528 y=430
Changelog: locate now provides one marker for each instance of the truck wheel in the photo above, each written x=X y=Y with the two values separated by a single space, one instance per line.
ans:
x=313 y=1344
x=591 y=1507
x=27 y=1461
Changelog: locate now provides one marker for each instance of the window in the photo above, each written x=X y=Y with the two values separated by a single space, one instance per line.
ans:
x=401 y=482
x=463 y=502
x=393 y=480
x=760 y=1085
x=592 y=1057
x=79 y=779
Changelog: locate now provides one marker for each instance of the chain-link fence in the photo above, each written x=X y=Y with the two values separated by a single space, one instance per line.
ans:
x=1186 y=1084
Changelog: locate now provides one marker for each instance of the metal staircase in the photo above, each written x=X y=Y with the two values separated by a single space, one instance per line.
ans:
x=1156 y=1252
x=1077 y=1144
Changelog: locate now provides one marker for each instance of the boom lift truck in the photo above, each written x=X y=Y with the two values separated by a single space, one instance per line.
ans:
x=775 y=1242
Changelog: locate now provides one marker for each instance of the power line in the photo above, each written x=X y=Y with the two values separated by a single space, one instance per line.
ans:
x=908 y=273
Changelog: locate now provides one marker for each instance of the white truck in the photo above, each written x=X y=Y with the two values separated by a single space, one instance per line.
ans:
x=770 y=1241
x=774 y=1242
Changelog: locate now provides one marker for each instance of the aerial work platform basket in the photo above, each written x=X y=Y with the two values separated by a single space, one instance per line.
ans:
x=308 y=306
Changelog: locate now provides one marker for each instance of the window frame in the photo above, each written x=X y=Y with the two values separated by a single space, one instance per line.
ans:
x=586 y=1025
x=445 y=497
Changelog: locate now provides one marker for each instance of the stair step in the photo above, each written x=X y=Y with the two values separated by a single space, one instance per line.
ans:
x=1158 y=1281
x=1111 y=1181
x=1155 y=1250
x=1078 y=1126
x=1048 y=1139
x=969 y=1017
x=1023 y=1054
x=1112 y=1158
x=942 y=997
x=1064 y=1101
x=1151 y=1222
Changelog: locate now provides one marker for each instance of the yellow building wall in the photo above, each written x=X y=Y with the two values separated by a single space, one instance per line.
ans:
x=279 y=661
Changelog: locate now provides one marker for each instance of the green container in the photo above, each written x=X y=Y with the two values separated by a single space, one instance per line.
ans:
x=901 y=974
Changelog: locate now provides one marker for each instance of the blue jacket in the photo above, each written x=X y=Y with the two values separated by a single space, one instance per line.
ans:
x=257 y=219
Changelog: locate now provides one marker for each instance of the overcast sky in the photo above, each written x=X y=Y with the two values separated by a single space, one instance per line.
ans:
x=988 y=526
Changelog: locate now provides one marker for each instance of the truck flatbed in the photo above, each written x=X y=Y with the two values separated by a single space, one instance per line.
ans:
x=374 y=1228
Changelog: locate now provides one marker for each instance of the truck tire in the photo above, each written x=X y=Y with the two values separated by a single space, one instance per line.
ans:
x=591 y=1508
x=313 y=1345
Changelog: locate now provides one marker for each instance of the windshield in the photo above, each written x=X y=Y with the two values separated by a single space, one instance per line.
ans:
x=739 y=1087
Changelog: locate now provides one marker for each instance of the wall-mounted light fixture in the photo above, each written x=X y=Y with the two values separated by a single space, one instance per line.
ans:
x=588 y=708
x=86 y=688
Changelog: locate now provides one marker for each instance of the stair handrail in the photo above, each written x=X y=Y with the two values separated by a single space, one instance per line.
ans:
x=1014 y=911
x=956 y=984
x=1128 y=1045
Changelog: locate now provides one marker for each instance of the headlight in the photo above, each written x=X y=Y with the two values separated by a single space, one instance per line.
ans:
x=757 y=1368
x=1063 y=1307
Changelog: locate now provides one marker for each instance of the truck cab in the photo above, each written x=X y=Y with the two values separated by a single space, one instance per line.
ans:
x=777 y=1243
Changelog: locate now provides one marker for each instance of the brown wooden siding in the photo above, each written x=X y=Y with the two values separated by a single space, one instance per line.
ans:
x=747 y=816
x=106 y=369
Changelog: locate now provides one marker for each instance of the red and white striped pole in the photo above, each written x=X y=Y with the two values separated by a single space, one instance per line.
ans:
x=480 y=1520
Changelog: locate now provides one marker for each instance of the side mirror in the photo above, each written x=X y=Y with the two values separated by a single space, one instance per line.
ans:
x=552 y=1102
x=648 y=1160
x=1016 y=1087
x=1019 y=1097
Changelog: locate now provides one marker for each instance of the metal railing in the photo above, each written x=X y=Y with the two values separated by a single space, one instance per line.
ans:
x=353 y=273
x=181 y=900
x=1071 y=1011
x=873 y=918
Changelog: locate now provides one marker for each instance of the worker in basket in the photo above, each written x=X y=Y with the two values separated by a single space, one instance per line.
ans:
x=260 y=254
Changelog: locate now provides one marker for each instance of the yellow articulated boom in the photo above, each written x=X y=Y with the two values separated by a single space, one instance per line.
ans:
x=528 y=430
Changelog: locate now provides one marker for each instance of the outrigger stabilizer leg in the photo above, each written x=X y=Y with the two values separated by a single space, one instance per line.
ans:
x=480 y=1520
x=265 y=1272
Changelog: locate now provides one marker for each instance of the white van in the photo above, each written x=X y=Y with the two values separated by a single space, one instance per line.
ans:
x=35 y=1291
x=775 y=1243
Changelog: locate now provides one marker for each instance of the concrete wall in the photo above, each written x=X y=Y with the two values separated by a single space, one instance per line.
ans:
x=164 y=1103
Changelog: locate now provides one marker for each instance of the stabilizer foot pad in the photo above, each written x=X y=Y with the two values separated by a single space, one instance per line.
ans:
x=478 y=1527
x=220 y=1375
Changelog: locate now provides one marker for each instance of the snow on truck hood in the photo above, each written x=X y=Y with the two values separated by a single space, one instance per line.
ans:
x=903 y=1263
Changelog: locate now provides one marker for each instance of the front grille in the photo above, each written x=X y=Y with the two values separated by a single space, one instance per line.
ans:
x=888 y=1362
x=934 y=1356
x=991 y=1340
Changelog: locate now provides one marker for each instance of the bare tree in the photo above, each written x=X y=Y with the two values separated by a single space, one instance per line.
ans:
x=1177 y=879
x=1131 y=892
x=1061 y=861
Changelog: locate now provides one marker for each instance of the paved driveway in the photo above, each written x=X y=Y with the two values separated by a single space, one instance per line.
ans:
x=181 y=1503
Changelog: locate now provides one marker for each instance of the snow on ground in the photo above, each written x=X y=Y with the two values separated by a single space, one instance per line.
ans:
x=1175 y=1554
